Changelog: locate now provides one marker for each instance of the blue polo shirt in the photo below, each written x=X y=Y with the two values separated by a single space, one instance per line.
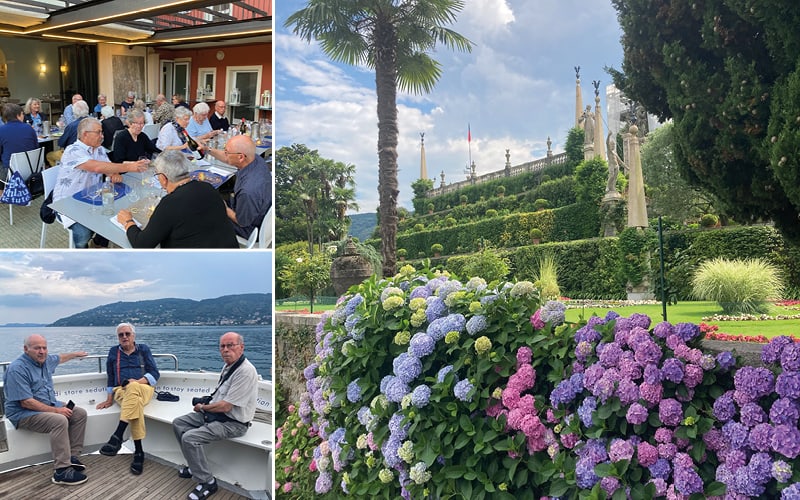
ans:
x=252 y=196
x=16 y=137
x=140 y=363
x=25 y=379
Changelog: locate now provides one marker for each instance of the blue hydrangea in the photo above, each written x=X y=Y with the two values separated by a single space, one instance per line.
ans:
x=447 y=288
x=420 y=396
x=462 y=390
x=661 y=469
x=443 y=373
x=791 y=493
x=353 y=303
x=353 y=391
x=419 y=292
x=585 y=477
x=407 y=367
x=476 y=324
x=338 y=316
x=488 y=299
x=396 y=388
x=438 y=328
x=553 y=312
x=585 y=410
x=435 y=309
x=367 y=418
x=421 y=345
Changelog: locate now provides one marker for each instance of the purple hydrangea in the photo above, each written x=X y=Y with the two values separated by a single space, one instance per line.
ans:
x=736 y=434
x=788 y=384
x=308 y=371
x=687 y=331
x=771 y=352
x=760 y=438
x=620 y=449
x=791 y=493
x=786 y=441
x=421 y=345
x=420 y=292
x=724 y=407
x=652 y=374
x=670 y=412
x=566 y=390
x=784 y=412
x=661 y=469
x=672 y=370
x=637 y=414
x=725 y=360
x=438 y=328
x=553 y=312
x=609 y=354
x=627 y=391
x=587 y=333
x=353 y=303
x=751 y=415
x=585 y=411
x=790 y=357
x=663 y=330
x=647 y=352
x=585 y=477
x=462 y=390
x=435 y=309
x=753 y=382
x=323 y=483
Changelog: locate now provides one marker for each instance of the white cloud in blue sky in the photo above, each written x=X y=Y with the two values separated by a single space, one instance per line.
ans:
x=41 y=287
x=515 y=88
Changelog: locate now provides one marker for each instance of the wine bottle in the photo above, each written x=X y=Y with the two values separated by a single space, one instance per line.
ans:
x=243 y=127
x=193 y=146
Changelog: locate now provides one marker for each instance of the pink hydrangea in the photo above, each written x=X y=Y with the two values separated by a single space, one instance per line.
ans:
x=536 y=320
x=646 y=453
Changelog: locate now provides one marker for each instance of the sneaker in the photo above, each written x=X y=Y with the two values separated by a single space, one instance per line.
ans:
x=76 y=464
x=138 y=463
x=68 y=476
x=112 y=447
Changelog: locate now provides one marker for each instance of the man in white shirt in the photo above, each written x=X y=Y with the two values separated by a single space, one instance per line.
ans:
x=83 y=165
x=69 y=114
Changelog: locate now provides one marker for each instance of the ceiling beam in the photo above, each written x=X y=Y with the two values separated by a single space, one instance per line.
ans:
x=225 y=31
x=252 y=9
x=109 y=11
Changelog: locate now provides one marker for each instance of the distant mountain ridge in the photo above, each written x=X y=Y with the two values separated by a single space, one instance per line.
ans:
x=363 y=225
x=242 y=309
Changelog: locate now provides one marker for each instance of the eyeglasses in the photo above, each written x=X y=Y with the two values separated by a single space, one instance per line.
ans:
x=138 y=124
x=94 y=131
x=159 y=173
x=124 y=334
x=231 y=152
x=222 y=347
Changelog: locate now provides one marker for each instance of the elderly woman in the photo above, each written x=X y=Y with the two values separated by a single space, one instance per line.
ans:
x=141 y=106
x=32 y=112
x=133 y=144
x=199 y=126
x=172 y=135
x=111 y=124
x=191 y=215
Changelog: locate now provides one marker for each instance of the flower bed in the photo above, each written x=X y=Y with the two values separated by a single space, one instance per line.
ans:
x=424 y=387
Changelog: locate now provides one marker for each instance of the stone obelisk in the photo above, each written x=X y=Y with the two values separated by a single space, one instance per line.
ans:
x=423 y=167
x=599 y=139
x=578 y=97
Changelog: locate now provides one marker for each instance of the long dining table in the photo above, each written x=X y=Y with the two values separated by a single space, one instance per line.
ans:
x=81 y=210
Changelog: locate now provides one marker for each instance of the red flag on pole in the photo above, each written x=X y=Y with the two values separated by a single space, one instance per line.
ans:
x=469 y=134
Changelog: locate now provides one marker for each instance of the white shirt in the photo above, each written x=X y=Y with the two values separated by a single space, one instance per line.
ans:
x=71 y=178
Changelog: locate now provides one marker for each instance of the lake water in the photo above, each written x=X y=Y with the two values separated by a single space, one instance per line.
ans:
x=197 y=347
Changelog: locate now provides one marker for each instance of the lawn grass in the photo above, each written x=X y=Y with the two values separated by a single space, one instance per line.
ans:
x=682 y=312
x=693 y=312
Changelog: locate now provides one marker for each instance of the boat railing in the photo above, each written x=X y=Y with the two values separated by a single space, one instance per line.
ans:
x=101 y=358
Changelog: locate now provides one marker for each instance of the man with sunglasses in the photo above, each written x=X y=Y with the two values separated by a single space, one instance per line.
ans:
x=252 y=192
x=132 y=376
x=225 y=414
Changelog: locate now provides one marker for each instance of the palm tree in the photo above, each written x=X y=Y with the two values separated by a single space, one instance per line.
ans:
x=392 y=37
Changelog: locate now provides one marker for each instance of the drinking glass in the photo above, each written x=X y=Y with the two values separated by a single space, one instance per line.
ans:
x=95 y=192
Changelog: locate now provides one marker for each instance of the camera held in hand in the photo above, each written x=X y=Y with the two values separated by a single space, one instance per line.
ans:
x=201 y=401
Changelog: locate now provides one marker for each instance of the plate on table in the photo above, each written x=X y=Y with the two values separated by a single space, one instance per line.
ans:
x=207 y=176
x=85 y=195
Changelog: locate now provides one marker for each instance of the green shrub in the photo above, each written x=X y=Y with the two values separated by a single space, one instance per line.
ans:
x=501 y=190
x=546 y=279
x=536 y=233
x=487 y=264
x=463 y=199
x=402 y=252
x=738 y=286
x=709 y=220
x=450 y=222
x=419 y=227
x=541 y=204
x=437 y=248
x=491 y=213
x=429 y=207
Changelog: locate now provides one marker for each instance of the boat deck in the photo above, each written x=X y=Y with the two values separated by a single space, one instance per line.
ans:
x=109 y=479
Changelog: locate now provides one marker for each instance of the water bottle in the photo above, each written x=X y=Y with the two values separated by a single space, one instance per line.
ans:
x=108 y=196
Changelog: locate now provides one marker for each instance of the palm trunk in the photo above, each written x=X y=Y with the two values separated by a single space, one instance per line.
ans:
x=386 y=89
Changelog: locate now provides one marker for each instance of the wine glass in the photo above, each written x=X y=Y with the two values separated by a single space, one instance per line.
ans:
x=95 y=192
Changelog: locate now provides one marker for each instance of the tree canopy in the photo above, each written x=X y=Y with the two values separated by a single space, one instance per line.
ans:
x=726 y=73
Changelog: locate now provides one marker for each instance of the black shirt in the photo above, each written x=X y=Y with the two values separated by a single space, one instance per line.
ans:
x=218 y=123
x=110 y=127
x=192 y=216
x=126 y=149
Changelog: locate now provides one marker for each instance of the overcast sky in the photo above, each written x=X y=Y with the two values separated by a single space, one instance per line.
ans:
x=515 y=88
x=41 y=287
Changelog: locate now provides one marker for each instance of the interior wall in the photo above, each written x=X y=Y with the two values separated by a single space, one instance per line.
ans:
x=105 y=74
x=232 y=55
x=23 y=57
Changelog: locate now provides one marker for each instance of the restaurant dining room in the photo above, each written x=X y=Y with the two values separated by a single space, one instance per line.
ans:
x=136 y=124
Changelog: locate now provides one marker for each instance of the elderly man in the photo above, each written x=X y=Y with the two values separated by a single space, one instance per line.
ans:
x=225 y=414
x=132 y=376
x=15 y=137
x=83 y=165
x=80 y=110
x=199 y=125
x=218 y=119
x=101 y=101
x=31 y=404
x=69 y=115
x=163 y=110
x=252 y=192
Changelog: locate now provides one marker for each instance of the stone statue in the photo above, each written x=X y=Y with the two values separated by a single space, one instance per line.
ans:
x=613 y=165
x=588 y=126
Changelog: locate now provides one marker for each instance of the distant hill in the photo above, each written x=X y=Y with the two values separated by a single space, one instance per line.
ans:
x=362 y=225
x=21 y=325
x=244 y=309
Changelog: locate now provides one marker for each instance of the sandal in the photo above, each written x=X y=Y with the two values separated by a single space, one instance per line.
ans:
x=185 y=472
x=203 y=490
x=137 y=466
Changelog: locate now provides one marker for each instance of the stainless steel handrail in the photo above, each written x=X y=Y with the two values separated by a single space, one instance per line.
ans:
x=102 y=357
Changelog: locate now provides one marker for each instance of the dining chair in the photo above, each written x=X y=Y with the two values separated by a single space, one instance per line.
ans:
x=265 y=236
x=151 y=130
x=250 y=242
x=26 y=163
x=50 y=176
